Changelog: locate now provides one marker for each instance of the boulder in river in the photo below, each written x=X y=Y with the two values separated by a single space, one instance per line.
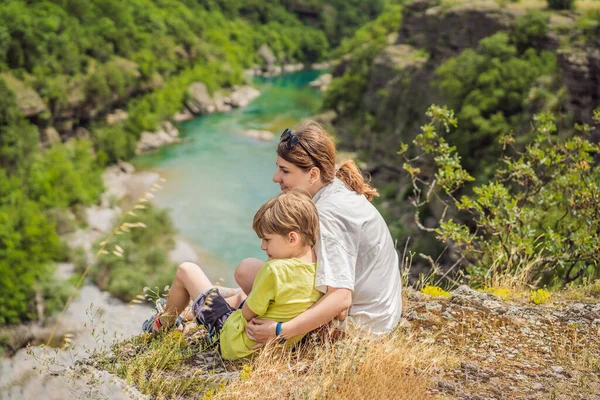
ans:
x=200 y=101
x=263 y=136
x=150 y=141
x=184 y=115
x=242 y=96
x=267 y=56
x=322 y=82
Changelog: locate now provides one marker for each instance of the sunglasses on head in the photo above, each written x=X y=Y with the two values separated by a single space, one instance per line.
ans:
x=292 y=140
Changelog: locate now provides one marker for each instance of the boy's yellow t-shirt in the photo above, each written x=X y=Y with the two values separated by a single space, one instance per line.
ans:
x=283 y=289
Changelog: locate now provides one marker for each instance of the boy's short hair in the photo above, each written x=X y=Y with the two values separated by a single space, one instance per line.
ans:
x=290 y=211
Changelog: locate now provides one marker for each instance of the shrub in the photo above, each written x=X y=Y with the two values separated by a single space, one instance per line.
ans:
x=489 y=88
x=536 y=221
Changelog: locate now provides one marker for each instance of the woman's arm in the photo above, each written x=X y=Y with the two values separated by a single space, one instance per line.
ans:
x=332 y=304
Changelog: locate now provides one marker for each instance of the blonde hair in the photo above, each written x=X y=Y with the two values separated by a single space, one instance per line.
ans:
x=321 y=147
x=291 y=211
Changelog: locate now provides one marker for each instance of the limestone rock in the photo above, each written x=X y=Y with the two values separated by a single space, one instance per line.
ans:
x=222 y=101
x=116 y=117
x=150 y=141
x=50 y=136
x=580 y=69
x=323 y=65
x=427 y=25
x=243 y=96
x=184 y=115
x=264 y=136
x=82 y=133
x=200 y=101
x=293 y=67
x=326 y=118
x=29 y=101
x=322 y=82
x=267 y=55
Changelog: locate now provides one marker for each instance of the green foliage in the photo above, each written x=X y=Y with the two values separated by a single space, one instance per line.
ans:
x=337 y=19
x=530 y=29
x=489 y=86
x=345 y=92
x=536 y=220
x=560 y=4
x=143 y=260
x=114 y=143
x=65 y=175
x=28 y=244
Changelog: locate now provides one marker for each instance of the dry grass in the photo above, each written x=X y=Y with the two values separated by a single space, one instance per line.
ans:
x=393 y=367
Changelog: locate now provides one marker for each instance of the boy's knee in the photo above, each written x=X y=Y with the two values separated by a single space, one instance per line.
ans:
x=244 y=271
x=184 y=270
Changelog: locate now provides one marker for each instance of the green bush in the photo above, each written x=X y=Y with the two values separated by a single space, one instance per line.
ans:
x=28 y=245
x=535 y=222
x=561 y=4
x=530 y=30
x=489 y=88
x=65 y=175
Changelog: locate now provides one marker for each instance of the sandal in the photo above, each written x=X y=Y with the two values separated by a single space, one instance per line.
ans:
x=149 y=325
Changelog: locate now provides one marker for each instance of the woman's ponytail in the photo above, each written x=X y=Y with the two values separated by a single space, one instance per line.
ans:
x=349 y=173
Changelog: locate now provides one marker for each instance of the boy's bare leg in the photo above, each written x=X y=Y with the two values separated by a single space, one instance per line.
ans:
x=246 y=272
x=188 y=283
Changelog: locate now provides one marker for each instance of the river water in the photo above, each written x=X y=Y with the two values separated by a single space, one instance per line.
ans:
x=218 y=178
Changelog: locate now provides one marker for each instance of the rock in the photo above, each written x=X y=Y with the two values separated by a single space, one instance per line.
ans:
x=427 y=25
x=580 y=70
x=29 y=101
x=319 y=66
x=326 y=118
x=221 y=102
x=200 y=101
x=495 y=306
x=150 y=141
x=433 y=306
x=183 y=115
x=82 y=133
x=322 y=82
x=293 y=67
x=49 y=136
x=264 y=136
x=447 y=315
x=116 y=117
x=102 y=219
x=446 y=386
x=469 y=367
x=242 y=96
x=267 y=56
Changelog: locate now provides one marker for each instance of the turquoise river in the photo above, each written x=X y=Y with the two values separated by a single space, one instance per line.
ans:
x=217 y=178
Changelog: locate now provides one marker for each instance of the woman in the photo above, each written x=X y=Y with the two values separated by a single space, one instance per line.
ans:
x=357 y=264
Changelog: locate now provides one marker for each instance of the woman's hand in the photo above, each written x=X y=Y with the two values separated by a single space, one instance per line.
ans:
x=260 y=331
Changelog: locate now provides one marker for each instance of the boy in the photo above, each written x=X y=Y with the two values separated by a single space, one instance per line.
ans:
x=288 y=225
